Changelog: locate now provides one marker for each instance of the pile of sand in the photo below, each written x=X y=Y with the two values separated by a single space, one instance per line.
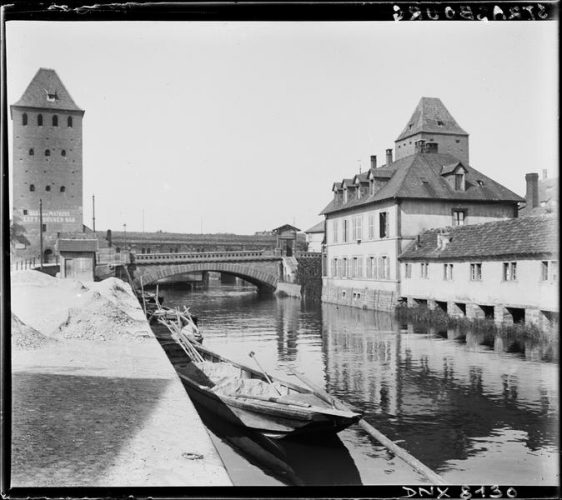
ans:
x=99 y=318
x=24 y=337
x=70 y=309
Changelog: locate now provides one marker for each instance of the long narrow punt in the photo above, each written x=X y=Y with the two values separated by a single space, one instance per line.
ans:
x=245 y=397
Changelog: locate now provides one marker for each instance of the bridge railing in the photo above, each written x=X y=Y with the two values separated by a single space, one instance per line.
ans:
x=203 y=256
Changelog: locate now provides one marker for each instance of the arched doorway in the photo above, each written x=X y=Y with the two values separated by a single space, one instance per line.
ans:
x=47 y=256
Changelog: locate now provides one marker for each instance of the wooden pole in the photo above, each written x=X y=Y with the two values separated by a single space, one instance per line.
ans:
x=379 y=436
x=41 y=232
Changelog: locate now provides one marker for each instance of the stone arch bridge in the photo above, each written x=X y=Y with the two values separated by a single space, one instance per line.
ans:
x=261 y=268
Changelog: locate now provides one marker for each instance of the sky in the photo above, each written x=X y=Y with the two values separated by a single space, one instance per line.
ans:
x=241 y=127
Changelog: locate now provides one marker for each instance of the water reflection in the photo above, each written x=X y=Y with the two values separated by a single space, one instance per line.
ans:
x=453 y=399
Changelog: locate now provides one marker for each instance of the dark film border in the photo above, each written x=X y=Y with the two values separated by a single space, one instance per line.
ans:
x=244 y=11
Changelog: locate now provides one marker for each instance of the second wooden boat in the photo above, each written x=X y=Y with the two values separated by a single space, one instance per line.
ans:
x=253 y=399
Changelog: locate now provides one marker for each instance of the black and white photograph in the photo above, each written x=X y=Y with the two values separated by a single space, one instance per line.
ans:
x=275 y=253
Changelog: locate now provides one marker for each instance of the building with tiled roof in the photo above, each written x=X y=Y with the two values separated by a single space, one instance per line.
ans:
x=504 y=270
x=47 y=163
x=315 y=237
x=375 y=214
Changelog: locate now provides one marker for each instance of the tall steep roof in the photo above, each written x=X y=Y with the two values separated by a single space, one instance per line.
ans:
x=46 y=90
x=527 y=236
x=420 y=176
x=431 y=116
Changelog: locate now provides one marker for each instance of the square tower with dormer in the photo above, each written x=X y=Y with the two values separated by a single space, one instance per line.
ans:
x=47 y=163
x=432 y=128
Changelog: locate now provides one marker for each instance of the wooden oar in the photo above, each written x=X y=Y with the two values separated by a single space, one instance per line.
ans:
x=379 y=436
x=252 y=355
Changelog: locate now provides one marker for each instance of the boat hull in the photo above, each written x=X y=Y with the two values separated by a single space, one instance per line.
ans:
x=274 y=420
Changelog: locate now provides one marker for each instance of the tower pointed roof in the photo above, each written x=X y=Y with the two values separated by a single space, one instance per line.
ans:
x=46 y=90
x=431 y=116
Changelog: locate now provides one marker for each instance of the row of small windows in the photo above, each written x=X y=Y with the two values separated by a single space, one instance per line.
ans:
x=549 y=271
x=47 y=152
x=47 y=188
x=54 y=120
x=352 y=229
x=352 y=267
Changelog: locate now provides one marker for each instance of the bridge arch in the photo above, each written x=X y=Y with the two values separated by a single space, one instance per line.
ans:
x=263 y=276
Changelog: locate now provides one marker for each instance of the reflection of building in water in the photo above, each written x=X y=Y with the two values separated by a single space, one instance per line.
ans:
x=287 y=327
x=362 y=352
x=439 y=394
x=298 y=339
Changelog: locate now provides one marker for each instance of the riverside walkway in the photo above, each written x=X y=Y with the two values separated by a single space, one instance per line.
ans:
x=95 y=400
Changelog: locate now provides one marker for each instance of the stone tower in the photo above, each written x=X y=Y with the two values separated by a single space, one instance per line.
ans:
x=434 y=125
x=47 y=162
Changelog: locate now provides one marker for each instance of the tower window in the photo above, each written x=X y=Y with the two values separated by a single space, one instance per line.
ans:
x=31 y=152
x=32 y=187
x=47 y=152
x=55 y=121
x=63 y=152
x=62 y=189
x=69 y=121
x=40 y=120
x=47 y=188
x=24 y=211
x=24 y=119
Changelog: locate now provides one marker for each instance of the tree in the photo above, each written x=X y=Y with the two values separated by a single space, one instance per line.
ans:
x=17 y=235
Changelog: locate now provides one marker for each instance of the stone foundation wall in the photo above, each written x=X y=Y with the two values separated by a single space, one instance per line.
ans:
x=365 y=298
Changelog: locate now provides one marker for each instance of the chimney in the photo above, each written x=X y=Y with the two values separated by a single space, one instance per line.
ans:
x=373 y=161
x=532 y=195
x=544 y=173
x=388 y=157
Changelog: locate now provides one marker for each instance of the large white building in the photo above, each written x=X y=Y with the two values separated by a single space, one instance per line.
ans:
x=505 y=270
x=374 y=215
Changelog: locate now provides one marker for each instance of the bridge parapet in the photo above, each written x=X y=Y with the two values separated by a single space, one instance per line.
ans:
x=160 y=258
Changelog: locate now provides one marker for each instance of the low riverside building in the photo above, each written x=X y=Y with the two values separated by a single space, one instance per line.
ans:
x=77 y=257
x=505 y=270
x=374 y=215
x=315 y=237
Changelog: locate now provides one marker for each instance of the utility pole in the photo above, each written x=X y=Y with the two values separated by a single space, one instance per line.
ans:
x=41 y=232
x=94 y=213
x=125 y=236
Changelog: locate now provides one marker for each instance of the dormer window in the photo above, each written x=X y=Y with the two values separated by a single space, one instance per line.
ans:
x=345 y=195
x=459 y=181
x=51 y=96
x=440 y=123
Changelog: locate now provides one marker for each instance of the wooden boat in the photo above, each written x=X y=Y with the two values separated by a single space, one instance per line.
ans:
x=177 y=321
x=253 y=399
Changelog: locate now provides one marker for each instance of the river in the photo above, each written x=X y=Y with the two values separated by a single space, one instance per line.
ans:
x=475 y=411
